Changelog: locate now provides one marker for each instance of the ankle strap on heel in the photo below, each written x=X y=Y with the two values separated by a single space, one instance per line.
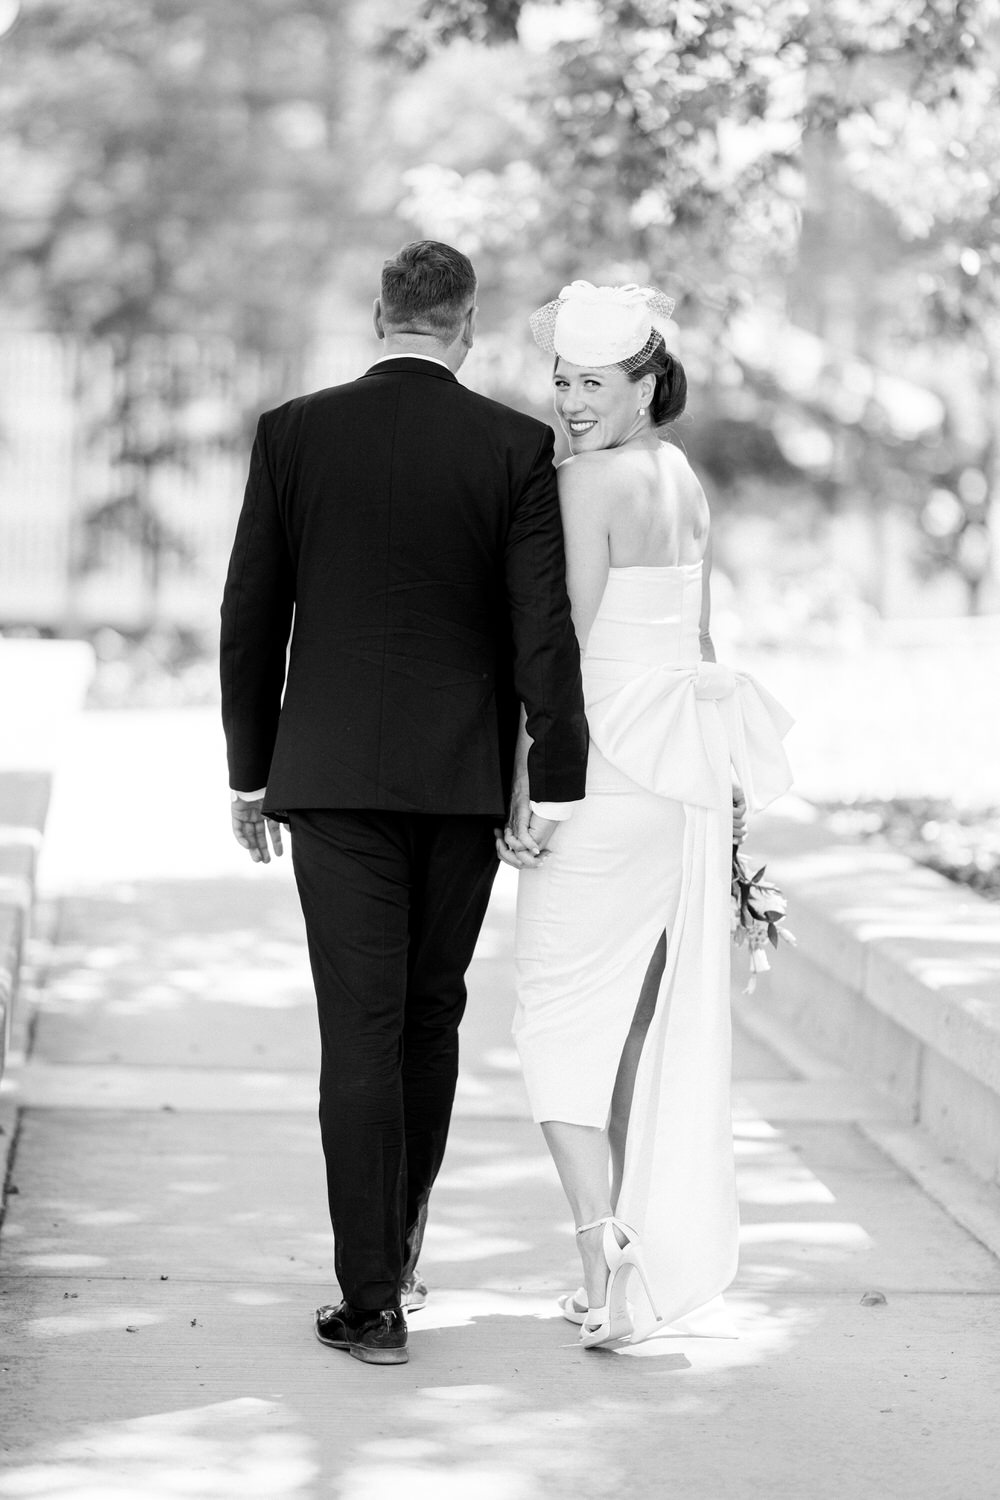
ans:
x=608 y=1219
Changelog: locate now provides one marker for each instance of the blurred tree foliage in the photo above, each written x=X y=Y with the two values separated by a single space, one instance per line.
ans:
x=827 y=162
x=170 y=175
x=177 y=173
x=169 y=165
x=681 y=124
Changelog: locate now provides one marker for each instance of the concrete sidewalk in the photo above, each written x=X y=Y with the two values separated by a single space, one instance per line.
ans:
x=165 y=1238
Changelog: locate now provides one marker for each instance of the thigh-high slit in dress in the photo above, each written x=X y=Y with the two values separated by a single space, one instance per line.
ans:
x=646 y=853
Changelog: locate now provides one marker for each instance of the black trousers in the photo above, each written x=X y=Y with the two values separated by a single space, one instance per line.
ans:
x=393 y=905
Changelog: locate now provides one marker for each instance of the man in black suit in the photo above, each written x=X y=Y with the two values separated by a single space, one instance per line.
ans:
x=413 y=527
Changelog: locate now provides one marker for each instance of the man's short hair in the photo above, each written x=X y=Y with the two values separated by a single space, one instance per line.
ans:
x=427 y=288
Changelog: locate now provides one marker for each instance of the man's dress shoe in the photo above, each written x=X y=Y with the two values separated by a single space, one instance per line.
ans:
x=378 y=1338
x=413 y=1292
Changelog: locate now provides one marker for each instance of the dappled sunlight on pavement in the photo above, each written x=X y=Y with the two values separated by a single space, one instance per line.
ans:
x=167 y=1242
x=233 y=1447
x=179 y=963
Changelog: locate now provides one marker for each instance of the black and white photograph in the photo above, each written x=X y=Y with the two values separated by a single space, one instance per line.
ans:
x=499 y=773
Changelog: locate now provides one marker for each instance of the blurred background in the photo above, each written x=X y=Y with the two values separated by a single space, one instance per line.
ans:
x=196 y=201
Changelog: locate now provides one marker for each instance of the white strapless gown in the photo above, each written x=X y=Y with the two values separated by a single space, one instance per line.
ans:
x=649 y=851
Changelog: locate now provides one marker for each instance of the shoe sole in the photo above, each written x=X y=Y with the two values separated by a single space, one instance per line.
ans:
x=366 y=1356
x=379 y=1356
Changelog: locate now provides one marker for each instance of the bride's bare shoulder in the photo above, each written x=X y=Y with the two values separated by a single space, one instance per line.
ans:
x=677 y=459
x=591 y=474
x=584 y=463
x=675 y=462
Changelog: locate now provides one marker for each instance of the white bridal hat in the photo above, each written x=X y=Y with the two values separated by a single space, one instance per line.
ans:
x=604 y=325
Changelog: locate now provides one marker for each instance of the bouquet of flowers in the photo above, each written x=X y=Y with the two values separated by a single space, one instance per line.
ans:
x=758 y=910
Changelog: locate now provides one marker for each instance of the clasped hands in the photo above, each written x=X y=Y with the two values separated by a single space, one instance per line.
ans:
x=523 y=842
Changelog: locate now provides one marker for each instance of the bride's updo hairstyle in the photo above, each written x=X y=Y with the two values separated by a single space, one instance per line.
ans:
x=670 y=395
x=597 y=326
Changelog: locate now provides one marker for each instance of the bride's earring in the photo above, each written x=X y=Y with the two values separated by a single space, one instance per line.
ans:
x=642 y=411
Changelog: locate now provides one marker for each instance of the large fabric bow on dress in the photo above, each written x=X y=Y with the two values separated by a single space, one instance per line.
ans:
x=676 y=729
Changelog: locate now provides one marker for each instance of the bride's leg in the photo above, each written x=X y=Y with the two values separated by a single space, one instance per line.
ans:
x=582 y=1157
x=583 y=1153
x=621 y=1099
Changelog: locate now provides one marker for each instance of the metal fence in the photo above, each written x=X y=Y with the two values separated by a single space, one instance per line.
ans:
x=120 y=487
x=38 y=449
x=128 y=523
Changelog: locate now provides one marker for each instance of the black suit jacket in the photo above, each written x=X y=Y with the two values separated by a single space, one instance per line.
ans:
x=413 y=527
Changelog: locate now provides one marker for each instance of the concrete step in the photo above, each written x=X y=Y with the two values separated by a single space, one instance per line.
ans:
x=896 y=977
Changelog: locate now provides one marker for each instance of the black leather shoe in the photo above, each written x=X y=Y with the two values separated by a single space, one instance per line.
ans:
x=378 y=1338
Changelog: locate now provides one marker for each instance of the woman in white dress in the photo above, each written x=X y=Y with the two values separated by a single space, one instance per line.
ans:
x=623 y=925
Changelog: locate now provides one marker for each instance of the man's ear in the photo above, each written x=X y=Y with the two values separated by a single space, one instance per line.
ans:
x=469 y=327
x=377 y=318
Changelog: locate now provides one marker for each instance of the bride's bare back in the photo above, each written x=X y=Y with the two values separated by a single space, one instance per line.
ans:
x=628 y=507
x=659 y=517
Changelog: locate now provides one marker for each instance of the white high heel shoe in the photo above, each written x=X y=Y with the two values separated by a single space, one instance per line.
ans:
x=613 y=1321
x=574 y=1306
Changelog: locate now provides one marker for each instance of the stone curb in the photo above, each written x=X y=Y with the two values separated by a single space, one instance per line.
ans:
x=896 y=976
x=24 y=802
x=42 y=684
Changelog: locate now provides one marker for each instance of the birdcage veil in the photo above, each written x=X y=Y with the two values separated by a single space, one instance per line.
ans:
x=603 y=325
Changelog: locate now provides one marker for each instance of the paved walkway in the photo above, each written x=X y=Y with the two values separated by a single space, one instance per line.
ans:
x=165 y=1239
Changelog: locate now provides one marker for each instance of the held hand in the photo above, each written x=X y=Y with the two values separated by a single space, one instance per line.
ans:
x=739 y=815
x=506 y=851
x=515 y=843
x=250 y=829
x=511 y=840
x=524 y=846
x=522 y=843
x=540 y=830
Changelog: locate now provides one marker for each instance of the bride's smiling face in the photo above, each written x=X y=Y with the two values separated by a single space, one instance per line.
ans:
x=598 y=407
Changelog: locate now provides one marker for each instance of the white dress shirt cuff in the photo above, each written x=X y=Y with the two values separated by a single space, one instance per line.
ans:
x=556 y=812
x=247 y=796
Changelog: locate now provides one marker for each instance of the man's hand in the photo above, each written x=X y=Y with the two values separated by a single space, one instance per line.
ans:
x=508 y=838
x=524 y=841
x=739 y=815
x=250 y=829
